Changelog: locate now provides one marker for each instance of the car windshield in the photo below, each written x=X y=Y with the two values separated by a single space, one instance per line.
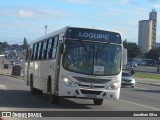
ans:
x=92 y=58
x=126 y=74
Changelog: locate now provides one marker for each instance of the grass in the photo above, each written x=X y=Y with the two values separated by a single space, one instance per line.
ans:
x=147 y=75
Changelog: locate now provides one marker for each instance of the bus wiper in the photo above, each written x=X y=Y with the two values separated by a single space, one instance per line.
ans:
x=82 y=44
x=97 y=51
x=106 y=44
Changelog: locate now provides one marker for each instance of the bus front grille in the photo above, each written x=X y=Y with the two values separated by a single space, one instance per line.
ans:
x=91 y=80
x=90 y=92
x=88 y=86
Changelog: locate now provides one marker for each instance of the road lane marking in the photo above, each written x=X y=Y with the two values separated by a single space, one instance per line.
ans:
x=140 y=88
x=140 y=105
x=148 y=84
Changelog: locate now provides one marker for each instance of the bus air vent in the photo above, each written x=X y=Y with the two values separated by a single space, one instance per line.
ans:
x=91 y=80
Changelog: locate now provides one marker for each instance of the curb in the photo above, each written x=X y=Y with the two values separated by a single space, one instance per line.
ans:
x=147 y=72
x=18 y=77
x=151 y=84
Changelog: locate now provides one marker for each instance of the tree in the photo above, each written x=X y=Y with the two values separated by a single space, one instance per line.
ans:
x=25 y=43
x=3 y=45
x=132 y=49
x=1 y=50
x=0 y=47
x=153 y=54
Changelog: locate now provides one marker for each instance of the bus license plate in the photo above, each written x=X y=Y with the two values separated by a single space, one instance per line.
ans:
x=90 y=95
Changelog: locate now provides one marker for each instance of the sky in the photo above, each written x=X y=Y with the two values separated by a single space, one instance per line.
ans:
x=27 y=18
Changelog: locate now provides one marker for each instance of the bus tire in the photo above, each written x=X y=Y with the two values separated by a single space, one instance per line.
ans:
x=98 y=101
x=49 y=85
x=32 y=89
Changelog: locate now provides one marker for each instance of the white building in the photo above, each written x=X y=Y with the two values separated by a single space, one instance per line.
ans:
x=147 y=32
x=145 y=35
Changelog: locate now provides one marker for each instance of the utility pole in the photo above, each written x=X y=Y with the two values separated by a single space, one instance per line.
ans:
x=45 y=29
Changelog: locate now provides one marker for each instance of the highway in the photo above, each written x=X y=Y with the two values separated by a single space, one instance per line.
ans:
x=15 y=96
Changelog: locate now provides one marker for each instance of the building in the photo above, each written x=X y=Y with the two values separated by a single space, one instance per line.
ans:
x=147 y=32
x=145 y=35
x=153 y=17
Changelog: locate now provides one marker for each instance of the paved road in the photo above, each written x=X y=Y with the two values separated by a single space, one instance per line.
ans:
x=15 y=96
x=144 y=95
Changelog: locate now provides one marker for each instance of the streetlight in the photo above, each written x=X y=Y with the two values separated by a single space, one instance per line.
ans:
x=45 y=29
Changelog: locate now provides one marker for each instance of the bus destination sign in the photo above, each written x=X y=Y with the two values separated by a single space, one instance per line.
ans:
x=92 y=34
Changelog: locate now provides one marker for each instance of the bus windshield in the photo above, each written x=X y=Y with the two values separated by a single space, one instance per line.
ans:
x=92 y=58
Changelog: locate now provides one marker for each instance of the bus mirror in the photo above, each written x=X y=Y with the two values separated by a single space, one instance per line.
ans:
x=63 y=48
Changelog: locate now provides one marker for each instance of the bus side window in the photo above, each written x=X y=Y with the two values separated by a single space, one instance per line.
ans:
x=49 y=48
x=54 y=50
x=36 y=56
x=35 y=49
x=45 y=49
x=41 y=49
x=33 y=52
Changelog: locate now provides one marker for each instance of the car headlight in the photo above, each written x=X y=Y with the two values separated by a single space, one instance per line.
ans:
x=113 y=86
x=68 y=82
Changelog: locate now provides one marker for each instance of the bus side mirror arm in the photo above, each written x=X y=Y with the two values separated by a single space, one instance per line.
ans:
x=63 y=48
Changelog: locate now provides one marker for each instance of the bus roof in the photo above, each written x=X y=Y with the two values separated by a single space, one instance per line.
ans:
x=64 y=29
x=49 y=35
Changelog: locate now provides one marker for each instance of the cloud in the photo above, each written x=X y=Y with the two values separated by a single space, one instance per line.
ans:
x=152 y=1
x=124 y=2
x=53 y=13
x=156 y=5
x=111 y=12
x=33 y=13
x=6 y=12
x=26 y=13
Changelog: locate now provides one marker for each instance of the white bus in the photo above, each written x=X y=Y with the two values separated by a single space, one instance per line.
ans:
x=76 y=63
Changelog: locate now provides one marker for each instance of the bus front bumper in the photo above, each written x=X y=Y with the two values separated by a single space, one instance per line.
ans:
x=77 y=92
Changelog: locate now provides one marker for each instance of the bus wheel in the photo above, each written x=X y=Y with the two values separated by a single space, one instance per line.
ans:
x=54 y=99
x=32 y=89
x=98 y=101
x=49 y=85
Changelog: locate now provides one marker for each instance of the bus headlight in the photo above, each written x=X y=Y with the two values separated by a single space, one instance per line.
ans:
x=113 y=86
x=68 y=82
